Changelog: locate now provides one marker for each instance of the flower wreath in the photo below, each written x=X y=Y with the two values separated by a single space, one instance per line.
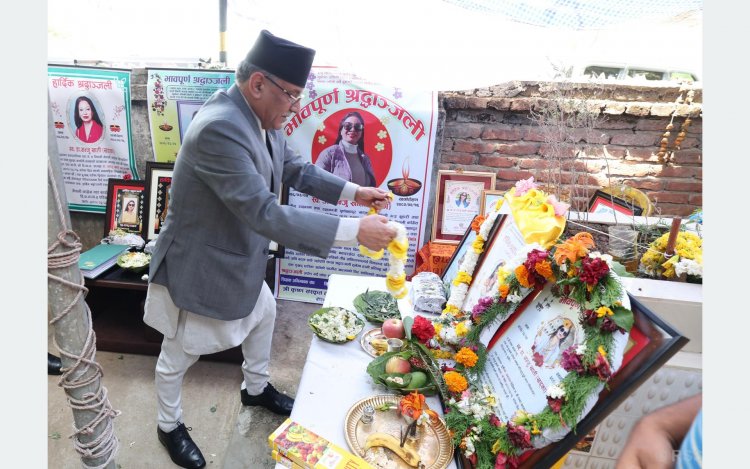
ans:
x=576 y=272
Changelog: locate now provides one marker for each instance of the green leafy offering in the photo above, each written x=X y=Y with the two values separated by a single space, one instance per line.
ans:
x=377 y=306
x=418 y=379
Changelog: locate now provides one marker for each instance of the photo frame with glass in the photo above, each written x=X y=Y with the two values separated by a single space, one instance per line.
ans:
x=125 y=206
x=454 y=263
x=458 y=199
x=489 y=199
x=601 y=202
x=158 y=183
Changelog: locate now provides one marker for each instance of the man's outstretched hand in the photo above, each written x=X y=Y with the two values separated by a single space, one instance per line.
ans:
x=374 y=232
x=372 y=197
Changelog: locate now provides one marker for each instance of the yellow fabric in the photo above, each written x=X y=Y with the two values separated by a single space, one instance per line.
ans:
x=535 y=217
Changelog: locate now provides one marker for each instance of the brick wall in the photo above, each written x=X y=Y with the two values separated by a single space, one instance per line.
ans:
x=493 y=129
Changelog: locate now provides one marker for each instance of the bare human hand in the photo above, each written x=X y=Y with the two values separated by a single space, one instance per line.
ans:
x=374 y=232
x=372 y=197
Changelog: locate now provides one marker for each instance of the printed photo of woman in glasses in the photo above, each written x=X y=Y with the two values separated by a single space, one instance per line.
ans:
x=346 y=158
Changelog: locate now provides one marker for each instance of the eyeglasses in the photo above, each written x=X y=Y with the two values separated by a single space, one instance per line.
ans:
x=348 y=126
x=292 y=99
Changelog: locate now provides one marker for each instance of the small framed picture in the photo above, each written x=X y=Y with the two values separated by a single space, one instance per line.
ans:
x=489 y=199
x=454 y=264
x=158 y=183
x=601 y=202
x=458 y=200
x=125 y=198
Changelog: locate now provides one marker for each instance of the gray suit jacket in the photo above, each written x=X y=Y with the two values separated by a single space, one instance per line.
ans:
x=212 y=250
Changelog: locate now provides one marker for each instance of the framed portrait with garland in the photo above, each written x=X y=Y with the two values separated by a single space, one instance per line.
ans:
x=530 y=366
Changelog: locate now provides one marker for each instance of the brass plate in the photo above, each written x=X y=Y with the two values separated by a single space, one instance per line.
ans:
x=365 y=339
x=434 y=442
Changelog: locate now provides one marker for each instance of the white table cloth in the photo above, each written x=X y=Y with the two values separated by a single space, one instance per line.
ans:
x=335 y=375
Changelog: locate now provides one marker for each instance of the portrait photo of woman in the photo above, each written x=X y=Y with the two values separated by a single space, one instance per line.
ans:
x=463 y=199
x=549 y=345
x=129 y=215
x=346 y=158
x=89 y=127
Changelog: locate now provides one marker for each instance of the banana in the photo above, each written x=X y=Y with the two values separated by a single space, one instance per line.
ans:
x=379 y=345
x=407 y=452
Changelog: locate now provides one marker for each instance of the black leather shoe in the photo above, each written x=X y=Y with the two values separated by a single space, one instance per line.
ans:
x=271 y=399
x=54 y=365
x=182 y=449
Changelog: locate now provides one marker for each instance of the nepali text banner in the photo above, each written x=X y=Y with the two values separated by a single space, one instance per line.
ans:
x=91 y=113
x=396 y=145
x=174 y=96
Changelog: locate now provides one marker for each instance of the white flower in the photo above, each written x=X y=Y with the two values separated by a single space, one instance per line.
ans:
x=336 y=324
x=448 y=334
x=469 y=446
x=688 y=266
x=514 y=298
x=564 y=267
x=484 y=229
x=382 y=134
x=470 y=262
x=605 y=257
x=555 y=392
x=322 y=139
x=581 y=349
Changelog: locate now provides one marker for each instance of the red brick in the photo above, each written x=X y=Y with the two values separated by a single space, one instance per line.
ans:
x=458 y=158
x=588 y=136
x=503 y=132
x=641 y=139
x=696 y=199
x=533 y=134
x=478 y=146
x=675 y=210
x=668 y=197
x=680 y=172
x=647 y=185
x=503 y=185
x=652 y=124
x=615 y=123
x=642 y=154
x=612 y=152
x=533 y=163
x=502 y=104
x=454 y=102
x=690 y=143
x=681 y=186
x=692 y=155
x=495 y=161
x=476 y=103
x=565 y=151
x=511 y=175
x=521 y=148
x=463 y=130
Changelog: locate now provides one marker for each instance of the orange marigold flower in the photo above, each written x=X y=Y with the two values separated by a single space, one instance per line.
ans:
x=455 y=382
x=477 y=223
x=504 y=290
x=523 y=276
x=412 y=405
x=466 y=357
x=574 y=248
x=544 y=268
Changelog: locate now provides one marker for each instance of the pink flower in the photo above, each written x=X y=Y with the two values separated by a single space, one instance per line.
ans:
x=571 y=361
x=601 y=367
x=555 y=404
x=560 y=207
x=478 y=310
x=127 y=176
x=503 y=461
x=525 y=185
x=495 y=420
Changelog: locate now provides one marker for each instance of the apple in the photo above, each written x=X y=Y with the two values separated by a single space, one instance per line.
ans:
x=393 y=328
x=397 y=365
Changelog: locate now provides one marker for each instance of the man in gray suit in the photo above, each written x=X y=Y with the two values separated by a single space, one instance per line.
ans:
x=207 y=291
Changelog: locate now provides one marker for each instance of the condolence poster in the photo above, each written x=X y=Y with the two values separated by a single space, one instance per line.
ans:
x=389 y=136
x=91 y=111
x=174 y=96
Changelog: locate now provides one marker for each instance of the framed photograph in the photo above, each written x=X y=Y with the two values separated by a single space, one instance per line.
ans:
x=451 y=269
x=458 y=199
x=504 y=244
x=125 y=198
x=489 y=199
x=158 y=183
x=601 y=202
x=650 y=344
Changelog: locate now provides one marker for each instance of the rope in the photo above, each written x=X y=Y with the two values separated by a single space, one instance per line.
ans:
x=74 y=377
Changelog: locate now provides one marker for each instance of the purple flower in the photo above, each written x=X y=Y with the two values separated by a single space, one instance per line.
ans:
x=571 y=361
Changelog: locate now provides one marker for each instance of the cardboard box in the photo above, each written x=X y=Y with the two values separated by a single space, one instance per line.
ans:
x=311 y=451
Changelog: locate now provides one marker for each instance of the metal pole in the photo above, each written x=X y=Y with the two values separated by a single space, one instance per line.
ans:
x=73 y=334
x=222 y=31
